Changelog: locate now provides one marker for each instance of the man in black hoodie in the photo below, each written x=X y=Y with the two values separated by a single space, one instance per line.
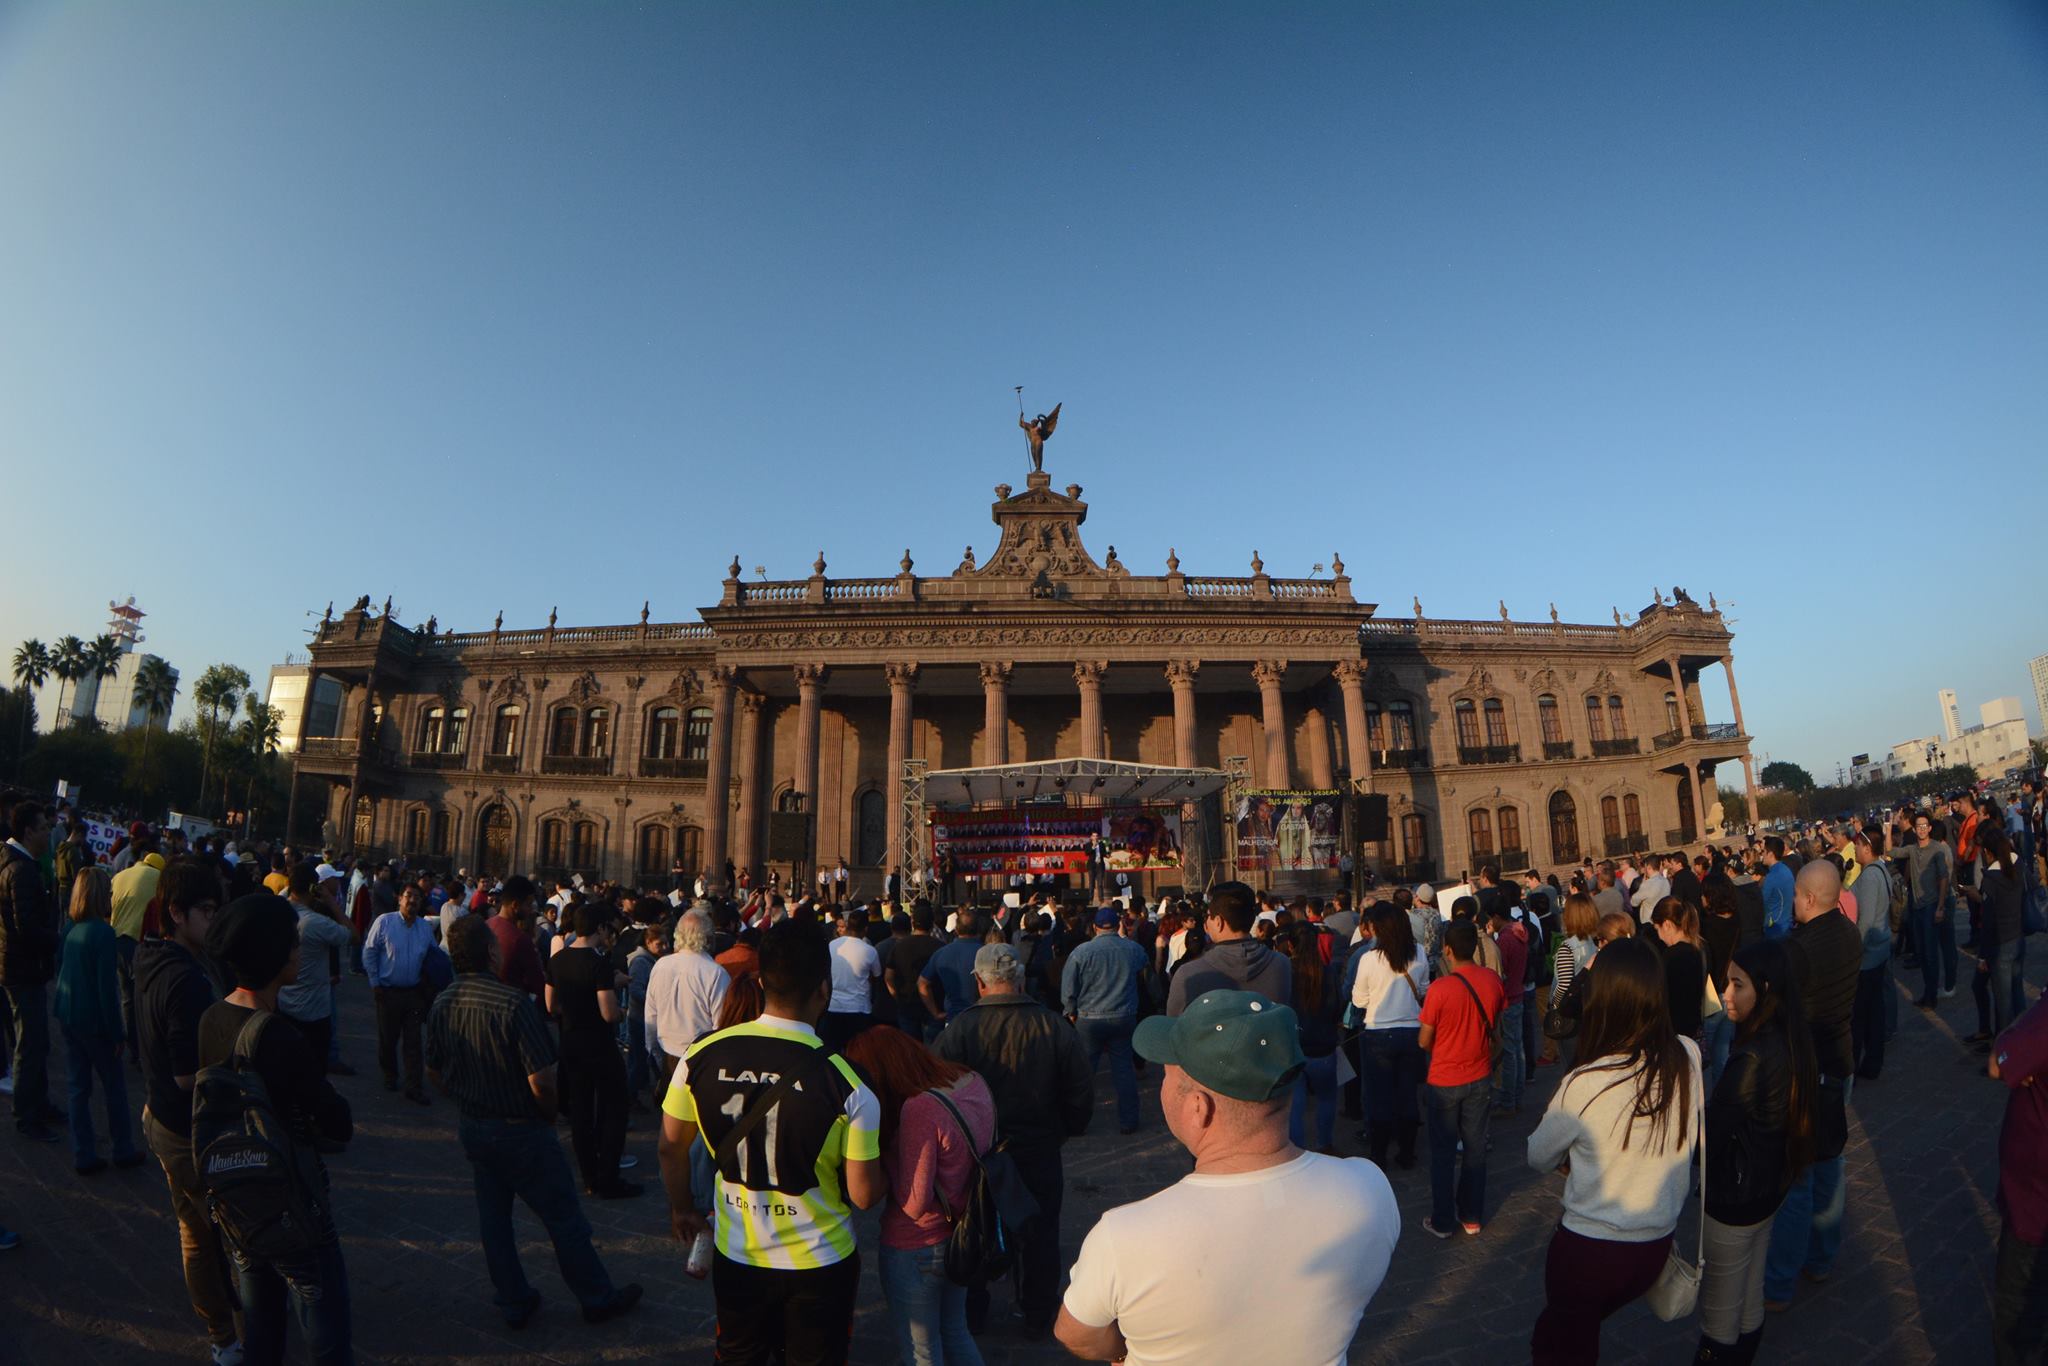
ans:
x=28 y=960
x=173 y=988
x=1235 y=960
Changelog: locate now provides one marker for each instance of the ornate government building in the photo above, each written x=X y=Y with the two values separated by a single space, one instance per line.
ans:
x=785 y=715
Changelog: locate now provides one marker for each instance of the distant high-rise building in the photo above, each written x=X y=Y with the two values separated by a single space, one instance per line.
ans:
x=111 y=700
x=287 y=693
x=1951 y=715
x=2039 y=669
x=2001 y=710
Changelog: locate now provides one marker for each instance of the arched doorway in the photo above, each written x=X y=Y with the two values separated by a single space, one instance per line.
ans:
x=872 y=838
x=1564 y=828
x=494 y=842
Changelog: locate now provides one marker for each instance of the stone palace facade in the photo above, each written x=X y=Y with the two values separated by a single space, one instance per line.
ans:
x=613 y=750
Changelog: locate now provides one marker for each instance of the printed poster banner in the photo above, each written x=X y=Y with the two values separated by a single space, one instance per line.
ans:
x=1142 y=839
x=1037 y=840
x=1288 y=832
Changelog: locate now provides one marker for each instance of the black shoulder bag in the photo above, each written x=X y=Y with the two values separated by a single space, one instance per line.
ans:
x=983 y=1244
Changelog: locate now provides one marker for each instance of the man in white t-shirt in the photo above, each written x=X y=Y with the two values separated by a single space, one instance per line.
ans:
x=855 y=966
x=1305 y=1238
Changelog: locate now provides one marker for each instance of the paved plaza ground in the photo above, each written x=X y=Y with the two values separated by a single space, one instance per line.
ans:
x=97 y=1276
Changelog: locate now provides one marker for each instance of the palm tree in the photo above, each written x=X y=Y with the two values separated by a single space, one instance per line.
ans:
x=260 y=734
x=68 y=662
x=102 y=661
x=219 y=689
x=31 y=671
x=155 y=688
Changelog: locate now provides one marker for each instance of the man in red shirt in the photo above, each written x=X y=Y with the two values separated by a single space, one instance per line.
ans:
x=1459 y=1020
x=1511 y=936
x=518 y=962
x=2019 y=1313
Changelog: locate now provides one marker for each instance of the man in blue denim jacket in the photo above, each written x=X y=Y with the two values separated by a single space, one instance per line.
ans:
x=1099 y=993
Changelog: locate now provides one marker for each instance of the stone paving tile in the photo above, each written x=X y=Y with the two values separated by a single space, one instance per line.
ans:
x=97 y=1278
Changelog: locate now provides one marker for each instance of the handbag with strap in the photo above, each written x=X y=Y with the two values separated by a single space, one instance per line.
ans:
x=1677 y=1289
x=1493 y=1040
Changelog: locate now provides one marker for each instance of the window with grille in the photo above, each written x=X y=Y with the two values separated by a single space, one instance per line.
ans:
x=664 y=733
x=1400 y=725
x=1564 y=828
x=1480 y=829
x=697 y=734
x=552 y=836
x=1467 y=717
x=505 y=730
x=1375 y=726
x=1610 y=818
x=1510 y=830
x=430 y=730
x=1596 y=720
x=1496 y=713
x=1617 y=718
x=1548 y=718
x=1414 y=837
x=456 y=738
x=1632 y=813
x=562 y=731
x=597 y=731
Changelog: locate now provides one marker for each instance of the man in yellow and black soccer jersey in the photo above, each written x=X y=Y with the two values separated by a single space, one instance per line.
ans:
x=797 y=1138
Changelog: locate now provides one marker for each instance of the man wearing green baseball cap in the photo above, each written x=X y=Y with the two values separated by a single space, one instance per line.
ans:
x=1306 y=1237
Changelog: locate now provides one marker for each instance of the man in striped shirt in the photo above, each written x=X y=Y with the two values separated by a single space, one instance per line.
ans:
x=797 y=1139
x=489 y=1050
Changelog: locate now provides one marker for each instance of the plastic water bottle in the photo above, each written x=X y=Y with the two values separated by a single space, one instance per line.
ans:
x=699 y=1264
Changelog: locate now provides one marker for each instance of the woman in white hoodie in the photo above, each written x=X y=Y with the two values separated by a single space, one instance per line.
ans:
x=1623 y=1126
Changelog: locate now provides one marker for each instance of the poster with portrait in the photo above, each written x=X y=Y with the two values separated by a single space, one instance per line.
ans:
x=1292 y=831
x=1017 y=839
x=1142 y=838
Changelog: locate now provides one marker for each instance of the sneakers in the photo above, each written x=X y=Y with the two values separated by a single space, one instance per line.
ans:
x=1429 y=1227
x=6 y=1083
x=1947 y=992
x=1471 y=1230
x=628 y=1162
x=622 y=1301
x=228 y=1354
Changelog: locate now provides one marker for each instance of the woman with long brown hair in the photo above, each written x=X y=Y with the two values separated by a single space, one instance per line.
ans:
x=1676 y=924
x=1387 y=995
x=937 y=1118
x=89 y=1012
x=1623 y=1126
x=1318 y=1008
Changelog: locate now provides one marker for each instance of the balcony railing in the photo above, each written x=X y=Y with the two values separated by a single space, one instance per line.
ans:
x=1614 y=846
x=1617 y=845
x=1423 y=870
x=501 y=763
x=1674 y=838
x=652 y=766
x=331 y=747
x=577 y=765
x=1610 y=749
x=437 y=760
x=1489 y=754
x=1513 y=860
x=1720 y=730
x=1400 y=758
x=1667 y=739
x=1560 y=749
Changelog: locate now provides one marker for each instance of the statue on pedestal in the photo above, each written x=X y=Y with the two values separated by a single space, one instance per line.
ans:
x=1036 y=430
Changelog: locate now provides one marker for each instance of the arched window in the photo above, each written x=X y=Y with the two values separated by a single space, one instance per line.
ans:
x=1617 y=718
x=1564 y=828
x=583 y=845
x=1496 y=713
x=553 y=836
x=1610 y=821
x=1549 y=720
x=455 y=739
x=1400 y=725
x=1414 y=837
x=1596 y=721
x=1467 y=717
x=1632 y=813
x=505 y=729
x=597 y=731
x=653 y=855
x=431 y=722
x=1671 y=712
x=1479 y=829
x=440 y=830
x=690 y=847
x=871 y=840
x=697 y=734
x=1510 y=830
x=664 y=733
x=562 y=731
x=416 y=830
x=1375 y=727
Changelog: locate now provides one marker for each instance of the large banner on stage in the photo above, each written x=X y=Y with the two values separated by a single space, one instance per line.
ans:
x=1015 y=840
x=1288 y=832
x=1142 y=839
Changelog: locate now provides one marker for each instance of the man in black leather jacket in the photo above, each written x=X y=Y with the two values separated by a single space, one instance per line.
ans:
x=28 y=961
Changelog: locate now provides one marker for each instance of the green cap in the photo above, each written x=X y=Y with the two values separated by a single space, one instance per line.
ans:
x=1235 y=1043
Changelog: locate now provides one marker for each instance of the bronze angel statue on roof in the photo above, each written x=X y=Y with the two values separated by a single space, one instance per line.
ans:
x=1036 y=430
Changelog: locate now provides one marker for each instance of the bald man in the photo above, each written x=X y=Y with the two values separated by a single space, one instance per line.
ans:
x=1827 y=955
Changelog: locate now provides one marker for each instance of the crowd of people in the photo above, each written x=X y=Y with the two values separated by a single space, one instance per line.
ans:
x=808 y=1058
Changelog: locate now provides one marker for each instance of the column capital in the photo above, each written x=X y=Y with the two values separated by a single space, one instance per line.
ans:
x=995 y=673
x=1181 y=672
x=723 y=676
x=1267 y=673
x=901 y=675
x=750 y=702
x=1088 y=672
x=808 y=675
x=1349 y=673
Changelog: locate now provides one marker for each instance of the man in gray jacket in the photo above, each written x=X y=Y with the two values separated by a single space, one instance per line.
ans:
x=1235 y=961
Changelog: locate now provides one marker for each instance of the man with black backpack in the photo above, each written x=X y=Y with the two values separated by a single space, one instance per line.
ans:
x=260 y=1104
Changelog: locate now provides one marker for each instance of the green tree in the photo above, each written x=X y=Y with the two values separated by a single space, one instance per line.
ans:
x=1787 y=775
x=259 y=738
x=87 y=757
x=68 y=662
x=218 y=690
x=14 y=734
x=156 y=686
x=1734 y=806
x=31 y=671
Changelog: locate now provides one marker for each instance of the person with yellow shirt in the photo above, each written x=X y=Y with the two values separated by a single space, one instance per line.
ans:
x=276 y=880
x=134 y=888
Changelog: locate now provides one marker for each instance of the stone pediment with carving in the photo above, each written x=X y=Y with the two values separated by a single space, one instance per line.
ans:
x=1546 y=680
x=1479 y=682
x=1041 y=534
x=510 y=688
x=1604 y=682
x=585 y=687
x=687 y=683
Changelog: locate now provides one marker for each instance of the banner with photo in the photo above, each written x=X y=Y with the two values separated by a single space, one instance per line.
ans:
x=1288 y=832
x=1142 y=838
x=1016 y=839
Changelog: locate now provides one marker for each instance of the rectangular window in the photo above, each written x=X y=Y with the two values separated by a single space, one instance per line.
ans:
x=1510 y=830
x=1596 y=721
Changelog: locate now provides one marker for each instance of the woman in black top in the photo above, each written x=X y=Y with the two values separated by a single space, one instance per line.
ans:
x=1677 y=927
x=1759 y=1137
x=1720 y=935
x=1318 y=1007
x=2001 y=995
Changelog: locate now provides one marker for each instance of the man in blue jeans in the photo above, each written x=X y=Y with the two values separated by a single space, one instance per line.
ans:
x=1930 y=880
x=1458 y=1021
x=488 y=1049
x=1099 y=993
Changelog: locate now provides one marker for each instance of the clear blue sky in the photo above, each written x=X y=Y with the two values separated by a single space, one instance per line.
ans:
x=516 y=306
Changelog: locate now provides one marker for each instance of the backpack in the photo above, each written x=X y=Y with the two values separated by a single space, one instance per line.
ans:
x=263 y=1189
x=983 y=1245
x=1896 y=910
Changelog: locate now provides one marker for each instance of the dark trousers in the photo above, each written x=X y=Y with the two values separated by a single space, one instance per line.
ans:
x=1391 y=1068
x=593 y=1085
x=2019 y=1302
x=1458 y=1113
x=400 y=1011
x=509 y=1158
x=312 y=1291
x=807 y=1314
x=1585 y=1280
x=1996 y=985
x=1038 y=1250
x=29 y=1008
x=124 y=972
x=1866 y=1020
x=1937 y=951
x=319 y=1034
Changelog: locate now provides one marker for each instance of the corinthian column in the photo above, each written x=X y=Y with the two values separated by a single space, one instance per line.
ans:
x=718 y=774
x=1357 y=743
x=810 y=679
x=995 y=715
x=1088 y=673
x=902 y=679
x=1267 y=673
x=747 y=834
x=1180 y=675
